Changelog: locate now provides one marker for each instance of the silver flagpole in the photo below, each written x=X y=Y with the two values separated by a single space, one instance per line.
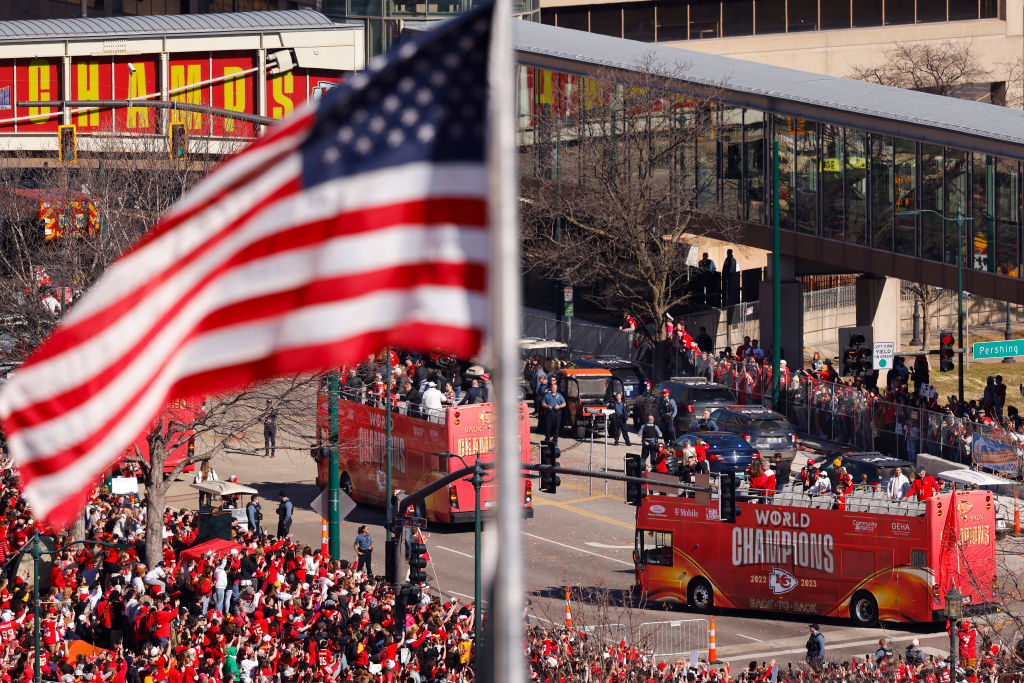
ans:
x=505 y=618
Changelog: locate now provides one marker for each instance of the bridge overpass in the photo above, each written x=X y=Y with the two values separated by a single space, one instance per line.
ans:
x=852 y=156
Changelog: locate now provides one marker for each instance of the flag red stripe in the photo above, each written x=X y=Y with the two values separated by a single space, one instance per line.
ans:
x=174 y=218
x=460 y=211
x=459 y=340
x=470 y=276
x=71 y=333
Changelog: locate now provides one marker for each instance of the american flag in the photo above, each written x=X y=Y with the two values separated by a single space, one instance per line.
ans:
x=358 y=223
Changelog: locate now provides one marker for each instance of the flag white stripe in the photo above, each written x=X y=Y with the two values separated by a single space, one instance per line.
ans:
x=320 y=324
x=89 y=358
x=399 y=246
x=409 y=182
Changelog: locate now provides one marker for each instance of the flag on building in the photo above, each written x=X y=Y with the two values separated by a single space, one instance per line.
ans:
x=361 y=221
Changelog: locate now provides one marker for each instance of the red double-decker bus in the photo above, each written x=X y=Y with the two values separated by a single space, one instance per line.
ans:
x=876 y=560
x=419 y=446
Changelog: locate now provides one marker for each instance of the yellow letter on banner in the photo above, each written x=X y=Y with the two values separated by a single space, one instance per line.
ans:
x=39 y=89
x=88 y=89
x=234 y=95
x=138 y=116
x=280 y=87
x=180 y=79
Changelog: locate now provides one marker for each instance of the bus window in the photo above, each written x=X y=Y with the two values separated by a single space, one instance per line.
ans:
x=657 y=548
x=918 y=558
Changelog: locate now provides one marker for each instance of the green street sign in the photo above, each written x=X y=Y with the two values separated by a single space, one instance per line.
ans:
x=998 y=349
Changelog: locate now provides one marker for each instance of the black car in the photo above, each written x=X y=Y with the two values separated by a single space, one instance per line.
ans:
x=877 y=466
x=692 y=396
x=634 y=381
x=767 y=431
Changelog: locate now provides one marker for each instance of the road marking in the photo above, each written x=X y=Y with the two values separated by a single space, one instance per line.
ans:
x=595 y=544
x=580 y=500
x=756 y=640
x=585 y=513
x=832 y=645
x=579 y=550
x=457 y=552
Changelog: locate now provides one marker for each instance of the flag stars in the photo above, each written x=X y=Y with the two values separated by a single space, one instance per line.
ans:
x=405 y=85
x=396 y=137
x=377 y=125
x=451 y=60
x=409 y=117
x=344 y=135
x=438 y=79
x=424 y=97
x=467 y=43
x=331 y=155
x=390 y=104
x=363 y=146
x=426 y=133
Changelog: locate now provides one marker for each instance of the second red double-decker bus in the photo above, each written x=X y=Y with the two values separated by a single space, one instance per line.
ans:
x=422 y=447
x=875 y=560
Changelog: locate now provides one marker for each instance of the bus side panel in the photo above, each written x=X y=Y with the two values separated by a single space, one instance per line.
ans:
x=362 y=452
x=790 y=559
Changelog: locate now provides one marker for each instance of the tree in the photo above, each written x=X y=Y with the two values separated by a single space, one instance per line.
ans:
x=938 y=68
x=926 y=296
x=60 y=228
x=213 y=430
x=618 y=182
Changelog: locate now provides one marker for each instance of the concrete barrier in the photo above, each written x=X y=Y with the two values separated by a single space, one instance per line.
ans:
x=933 y=465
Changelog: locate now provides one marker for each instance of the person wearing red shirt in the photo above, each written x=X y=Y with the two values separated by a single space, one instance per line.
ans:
x=161 y=623
x=923 y=486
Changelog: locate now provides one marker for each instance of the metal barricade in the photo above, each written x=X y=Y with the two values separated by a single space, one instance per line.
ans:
x=613 y=634
x=673 y=639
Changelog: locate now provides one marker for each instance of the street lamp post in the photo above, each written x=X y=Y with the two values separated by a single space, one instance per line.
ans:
x=954 y=611
x=37 y=551
x=959 y=219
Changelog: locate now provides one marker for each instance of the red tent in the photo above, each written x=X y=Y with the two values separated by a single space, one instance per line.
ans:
x=218 y=546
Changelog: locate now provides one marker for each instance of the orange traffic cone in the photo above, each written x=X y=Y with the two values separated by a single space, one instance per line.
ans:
x=324 y=547
x=712 y=650
x=568 y=610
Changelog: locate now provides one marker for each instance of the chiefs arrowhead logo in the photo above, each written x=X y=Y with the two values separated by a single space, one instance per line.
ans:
x=963 y=507
x=781 y=581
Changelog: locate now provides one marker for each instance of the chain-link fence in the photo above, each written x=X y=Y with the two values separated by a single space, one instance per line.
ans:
x=582 y=336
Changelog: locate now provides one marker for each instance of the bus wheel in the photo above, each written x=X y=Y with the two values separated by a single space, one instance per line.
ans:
x=699 y=595
x=864 y=609
x=346 y=484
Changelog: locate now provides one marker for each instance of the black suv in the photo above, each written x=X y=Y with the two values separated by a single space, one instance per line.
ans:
x=877 y=466
x=692 y=396
x=767 y=431
x=634 y=381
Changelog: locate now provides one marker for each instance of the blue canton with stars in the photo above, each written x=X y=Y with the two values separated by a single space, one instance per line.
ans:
x=425 y=100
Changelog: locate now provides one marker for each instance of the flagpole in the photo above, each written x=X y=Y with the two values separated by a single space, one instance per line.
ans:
x=505 y=619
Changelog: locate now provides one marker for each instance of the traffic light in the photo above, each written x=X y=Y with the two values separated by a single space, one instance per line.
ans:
x=946 y=351
x=634 y=492
x=178 y=141
x=549 y=455
x=856 y=351
x=417 y=563
x=68 y=144
x=728 y=510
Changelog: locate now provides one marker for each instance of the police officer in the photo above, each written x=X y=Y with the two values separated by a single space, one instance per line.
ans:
x=649 y=435
x=617 y=419
x=667 y=411
x=552 y=405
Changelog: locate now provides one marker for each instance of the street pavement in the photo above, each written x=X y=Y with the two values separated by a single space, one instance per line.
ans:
x=582 y=537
